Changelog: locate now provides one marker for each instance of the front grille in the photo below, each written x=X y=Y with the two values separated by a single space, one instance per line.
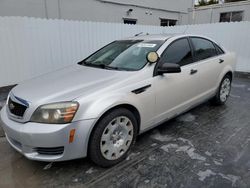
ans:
x=16 y=108
x=50 y=151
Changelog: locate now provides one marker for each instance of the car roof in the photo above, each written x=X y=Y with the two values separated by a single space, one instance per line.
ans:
x=160 y=36
x=167 y=36
x=151 y=37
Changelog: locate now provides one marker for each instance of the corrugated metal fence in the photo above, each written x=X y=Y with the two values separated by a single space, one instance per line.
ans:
x=30 y=46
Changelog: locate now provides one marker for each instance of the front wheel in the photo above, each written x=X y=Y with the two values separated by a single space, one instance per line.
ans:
x=113 y=137
x=223 y=91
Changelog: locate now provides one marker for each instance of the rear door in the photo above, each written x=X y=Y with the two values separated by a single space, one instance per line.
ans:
x=210 y=64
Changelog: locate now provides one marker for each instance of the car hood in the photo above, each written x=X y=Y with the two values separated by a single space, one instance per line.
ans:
x=67 y=84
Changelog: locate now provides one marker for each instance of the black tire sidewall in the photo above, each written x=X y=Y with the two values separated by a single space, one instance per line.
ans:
x=94 y=144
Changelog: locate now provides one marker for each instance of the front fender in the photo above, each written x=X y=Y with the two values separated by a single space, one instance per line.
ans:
x=95 y=108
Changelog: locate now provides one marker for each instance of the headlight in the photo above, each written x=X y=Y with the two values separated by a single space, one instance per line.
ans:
x=55 y=113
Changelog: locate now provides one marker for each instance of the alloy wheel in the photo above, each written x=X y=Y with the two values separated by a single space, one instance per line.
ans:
x=116 y=138
x=225 y=89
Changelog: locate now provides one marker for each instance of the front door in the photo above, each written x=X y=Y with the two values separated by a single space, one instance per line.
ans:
x=176 y=92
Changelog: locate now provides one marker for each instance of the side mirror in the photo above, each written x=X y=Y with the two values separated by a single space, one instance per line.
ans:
x=168 y=68
x=152 y=57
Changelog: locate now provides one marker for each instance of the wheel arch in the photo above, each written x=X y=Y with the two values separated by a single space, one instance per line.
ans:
x=229 y=73
x=226 y=71
x=129 y=107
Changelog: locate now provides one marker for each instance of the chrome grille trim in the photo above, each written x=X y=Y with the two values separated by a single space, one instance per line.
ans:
x=16 y=107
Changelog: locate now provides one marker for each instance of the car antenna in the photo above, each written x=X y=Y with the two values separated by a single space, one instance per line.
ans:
x=138 y=34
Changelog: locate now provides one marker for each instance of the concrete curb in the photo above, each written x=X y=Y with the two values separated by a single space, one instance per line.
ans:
x=242 y=75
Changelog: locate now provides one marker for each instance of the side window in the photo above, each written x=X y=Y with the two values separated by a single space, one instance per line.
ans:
x=203 y=48
x=178 y=52
x=218 y=49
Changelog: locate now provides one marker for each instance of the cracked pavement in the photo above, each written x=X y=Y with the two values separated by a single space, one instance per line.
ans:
x=208 y=146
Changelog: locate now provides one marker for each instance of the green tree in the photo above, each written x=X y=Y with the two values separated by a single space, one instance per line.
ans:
x=202 y=3
x=211 y=2
x=206 y=2
x=228 y=1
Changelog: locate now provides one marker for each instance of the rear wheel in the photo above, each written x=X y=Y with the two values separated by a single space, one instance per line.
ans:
x=113 y=137
x=223 y=91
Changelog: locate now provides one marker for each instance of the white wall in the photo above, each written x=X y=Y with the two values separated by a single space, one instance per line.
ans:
x=147 y=12
x=30 y=46
x=172 y=5
x=92 y=10
x=211 y=14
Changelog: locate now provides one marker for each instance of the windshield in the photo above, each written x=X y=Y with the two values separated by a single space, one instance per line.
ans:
x=123 y=55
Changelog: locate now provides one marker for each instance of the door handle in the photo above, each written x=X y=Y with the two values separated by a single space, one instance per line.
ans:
x=193 y=71
x=221 y=61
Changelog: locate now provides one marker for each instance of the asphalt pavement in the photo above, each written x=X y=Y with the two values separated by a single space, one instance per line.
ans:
x=208 y=146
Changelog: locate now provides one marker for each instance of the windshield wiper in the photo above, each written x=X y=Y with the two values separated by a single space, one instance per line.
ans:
x=101 y=65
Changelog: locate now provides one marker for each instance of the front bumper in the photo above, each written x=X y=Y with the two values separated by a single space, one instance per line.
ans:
x=47 y=142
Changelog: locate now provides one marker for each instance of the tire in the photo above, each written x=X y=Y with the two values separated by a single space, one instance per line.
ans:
x=223 y=92
x=113 y=137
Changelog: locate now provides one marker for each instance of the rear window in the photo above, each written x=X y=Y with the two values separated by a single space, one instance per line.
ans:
x=203 y=48
x=218 y=49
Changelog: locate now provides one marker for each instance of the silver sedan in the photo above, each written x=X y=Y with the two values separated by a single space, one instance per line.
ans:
x=97 y=107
